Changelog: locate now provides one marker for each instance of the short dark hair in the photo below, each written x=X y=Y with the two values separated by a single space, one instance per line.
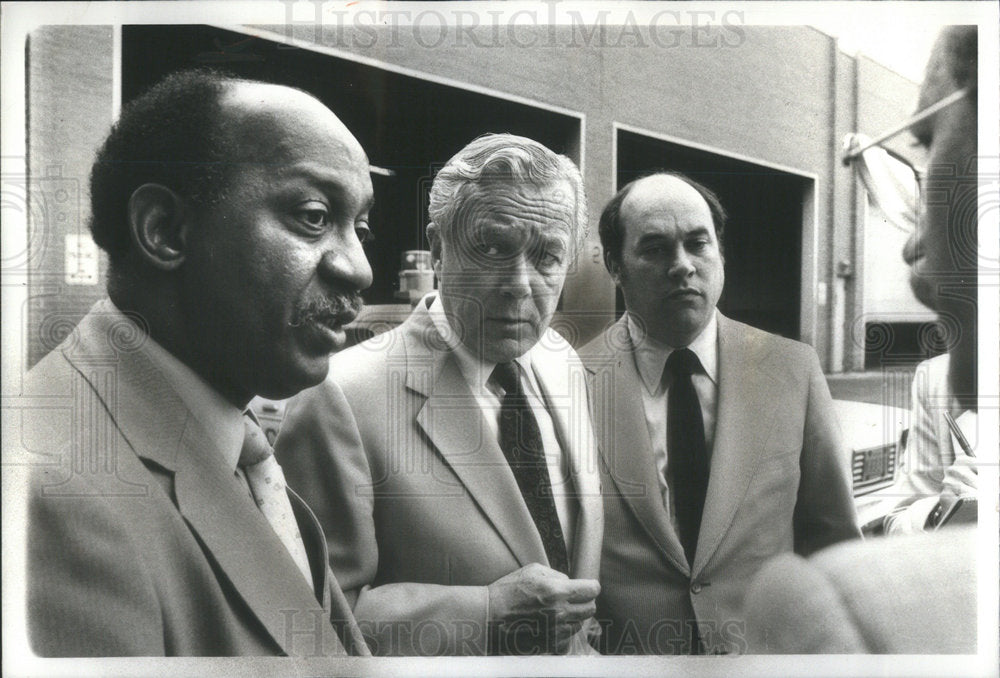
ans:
x=961 y=47
x=170 y=135
x=613 y=234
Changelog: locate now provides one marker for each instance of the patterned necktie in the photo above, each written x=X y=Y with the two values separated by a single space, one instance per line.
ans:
x=267 y=484
x=687 y=461
x=521 y=442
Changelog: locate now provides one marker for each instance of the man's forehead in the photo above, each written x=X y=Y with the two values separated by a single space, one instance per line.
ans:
x=937 y=85
x=522 y=230
x=523 y=204
x=557 y=194
x=666 y=199
x=938 y=82
x=274 y=120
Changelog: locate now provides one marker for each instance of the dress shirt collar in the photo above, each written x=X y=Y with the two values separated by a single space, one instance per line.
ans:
x=651 y=355
x=475 y=370
x=220 y=420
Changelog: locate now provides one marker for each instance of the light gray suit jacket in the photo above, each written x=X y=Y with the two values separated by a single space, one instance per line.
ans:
x=779 y=481
x=420 y=507
x=140 y=541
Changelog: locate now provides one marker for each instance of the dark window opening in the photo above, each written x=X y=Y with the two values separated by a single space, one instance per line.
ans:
x=763 y=236
x=407 y=125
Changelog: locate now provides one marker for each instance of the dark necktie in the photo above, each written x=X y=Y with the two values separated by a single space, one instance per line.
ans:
x=687 y=461
x=521 y=442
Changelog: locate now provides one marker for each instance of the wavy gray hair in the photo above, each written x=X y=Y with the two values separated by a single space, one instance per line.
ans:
x=503 y=158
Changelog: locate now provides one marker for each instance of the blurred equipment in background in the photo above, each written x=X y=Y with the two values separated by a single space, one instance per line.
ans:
x=416 y=275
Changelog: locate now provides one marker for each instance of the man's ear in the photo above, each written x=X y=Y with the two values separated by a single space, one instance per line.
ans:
x=613 y=269
x=434 y=238
x=158 y=226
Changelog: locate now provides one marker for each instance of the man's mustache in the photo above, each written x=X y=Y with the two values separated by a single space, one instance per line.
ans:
x=337 y=309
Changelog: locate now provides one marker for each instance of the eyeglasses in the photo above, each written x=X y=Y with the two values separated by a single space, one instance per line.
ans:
x=893 y=182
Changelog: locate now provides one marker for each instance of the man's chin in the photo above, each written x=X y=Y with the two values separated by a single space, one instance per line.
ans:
x=680 y=329
x=506 y=350
x=924 y=290
x=304 y=373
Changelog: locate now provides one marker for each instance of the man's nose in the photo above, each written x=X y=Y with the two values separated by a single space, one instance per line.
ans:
x=518 y=277
x=345 y=262
x=911 y=250
x=681 y=266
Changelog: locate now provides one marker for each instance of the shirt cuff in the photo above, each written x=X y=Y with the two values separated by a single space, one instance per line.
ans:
x=913 y=518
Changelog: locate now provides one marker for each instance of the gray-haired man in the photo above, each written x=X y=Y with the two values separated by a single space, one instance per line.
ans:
x=452 y=459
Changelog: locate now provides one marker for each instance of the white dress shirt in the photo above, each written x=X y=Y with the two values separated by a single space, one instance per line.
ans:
x=489 y=397
x=931 y=452
x=650 y=359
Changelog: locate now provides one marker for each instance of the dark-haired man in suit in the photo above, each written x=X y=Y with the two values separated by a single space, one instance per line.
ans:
x=719 y=443
x=158 y=522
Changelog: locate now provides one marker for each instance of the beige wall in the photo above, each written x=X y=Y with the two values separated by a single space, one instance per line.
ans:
x=780 y=95
x=70 y=102
x=773 y=95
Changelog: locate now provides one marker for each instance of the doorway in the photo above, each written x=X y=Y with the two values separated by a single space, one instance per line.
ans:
x=764 y=232
x=409 y=126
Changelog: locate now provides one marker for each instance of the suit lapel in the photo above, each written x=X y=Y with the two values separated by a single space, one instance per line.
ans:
x=564 y=389
x=335 y=605
x=745 y=410
x=149 y=413
x=158 y=427
x=625 y=446
x=454 y=423
x=315 y=545
x=246 y=548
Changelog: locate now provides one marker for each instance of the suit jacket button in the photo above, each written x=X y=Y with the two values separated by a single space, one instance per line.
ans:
x=695 y=587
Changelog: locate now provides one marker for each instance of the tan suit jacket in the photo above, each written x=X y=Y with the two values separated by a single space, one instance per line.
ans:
x=419 y=505
x=778 y=482
x=141 y=542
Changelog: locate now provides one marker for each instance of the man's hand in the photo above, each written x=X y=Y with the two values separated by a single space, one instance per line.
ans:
x=962 y=477
x=538 y=610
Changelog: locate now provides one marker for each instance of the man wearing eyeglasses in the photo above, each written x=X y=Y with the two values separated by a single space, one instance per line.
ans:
x=937 y=469
x=912 y=594
x=158 y=524
x=941 y=253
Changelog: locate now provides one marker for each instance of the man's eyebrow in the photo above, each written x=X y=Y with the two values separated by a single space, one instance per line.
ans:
x=497 y=230
x=700 y=230
x=654 y=237
x=330 y=182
